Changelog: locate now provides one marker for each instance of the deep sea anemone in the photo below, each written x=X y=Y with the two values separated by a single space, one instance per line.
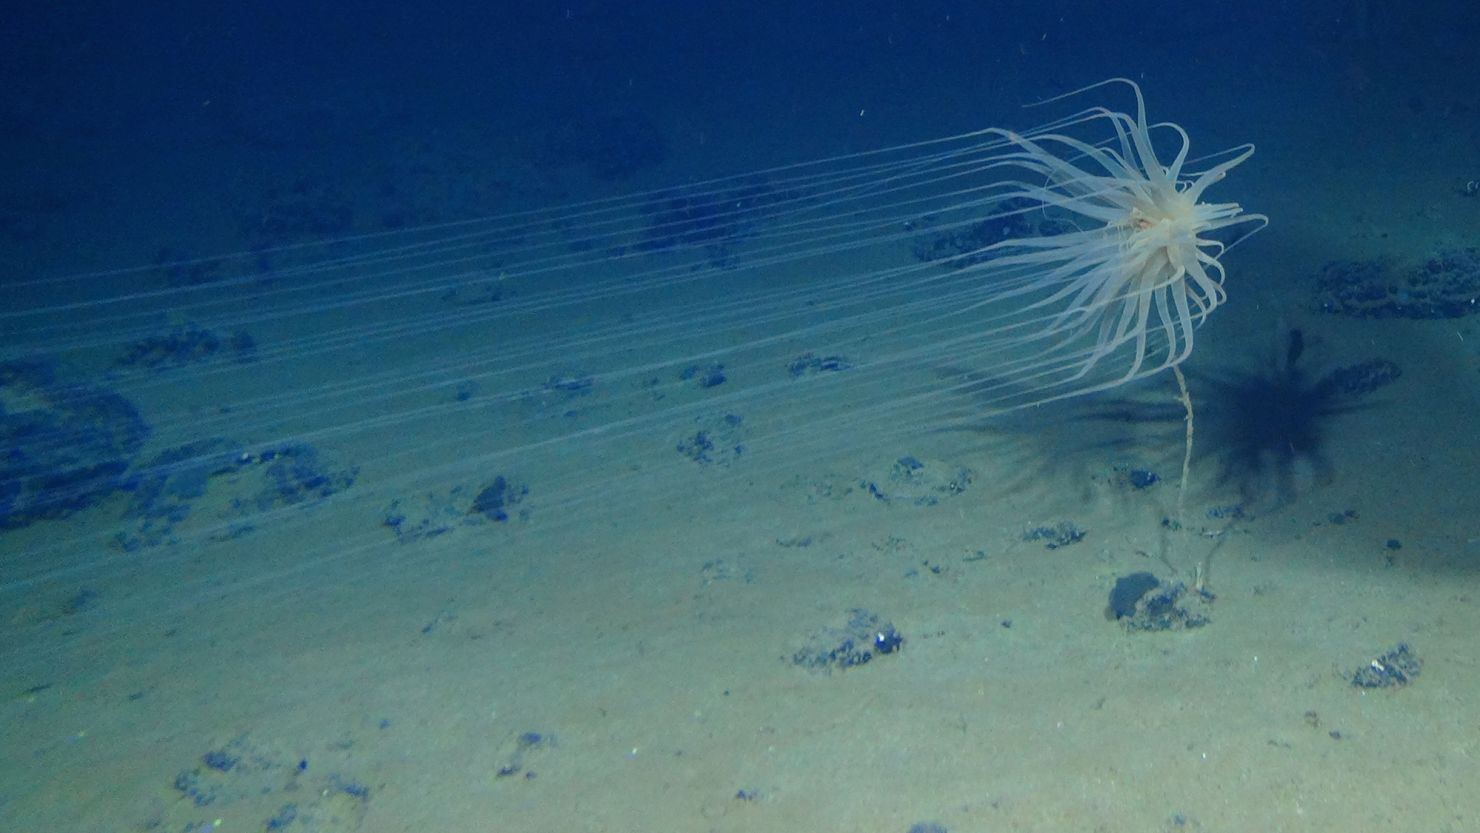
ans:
x=1118 y=295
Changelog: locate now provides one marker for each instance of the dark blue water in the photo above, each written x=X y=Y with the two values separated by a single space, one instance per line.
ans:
x=121 y=104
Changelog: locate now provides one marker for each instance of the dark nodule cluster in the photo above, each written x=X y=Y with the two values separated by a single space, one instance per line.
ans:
x=1445 y=284
x=67 y=446
x=1142 y=602
x=864 y=637
x=1396 y=667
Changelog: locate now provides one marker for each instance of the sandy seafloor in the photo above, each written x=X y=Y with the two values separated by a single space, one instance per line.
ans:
x=645 y=632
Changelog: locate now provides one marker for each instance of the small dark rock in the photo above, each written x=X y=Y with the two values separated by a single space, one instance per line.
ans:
x=220 y=760
x=888 y=640
x=1062 y=535
x=1141 y=478
x=808 y=363
x=1128 y=592
x=495 y=499
x=705 y=376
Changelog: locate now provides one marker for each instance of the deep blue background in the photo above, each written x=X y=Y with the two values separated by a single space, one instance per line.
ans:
x=120 y=110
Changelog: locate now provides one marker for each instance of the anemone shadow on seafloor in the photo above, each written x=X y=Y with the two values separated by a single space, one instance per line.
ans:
x=1267 y=428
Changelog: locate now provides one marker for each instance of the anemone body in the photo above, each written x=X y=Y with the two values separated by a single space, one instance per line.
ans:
x=1120 y=296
